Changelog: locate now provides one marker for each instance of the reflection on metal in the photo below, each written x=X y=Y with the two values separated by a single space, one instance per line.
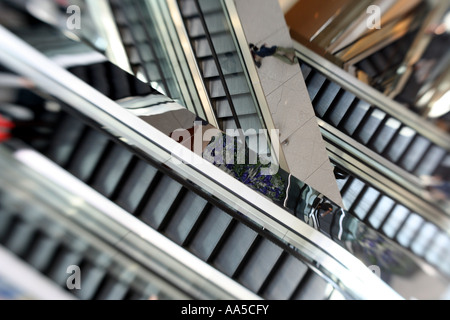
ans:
x=418 y=47
x=406 y=26
x=102 y=18
x=373 y=97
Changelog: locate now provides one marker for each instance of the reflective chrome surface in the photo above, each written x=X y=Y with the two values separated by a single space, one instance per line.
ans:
x=398 y=47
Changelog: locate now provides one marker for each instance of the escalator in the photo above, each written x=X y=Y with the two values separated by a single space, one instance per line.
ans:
x=50 y=249
x=211 y=229
x=219 y=62
x=380 y=130
x=139 y=39
x=370 y=141
x=153 y=194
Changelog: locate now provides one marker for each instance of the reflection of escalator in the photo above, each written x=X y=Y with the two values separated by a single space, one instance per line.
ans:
x=139 y=41
x=381 y=132
x=382 y=66
x=220 y=65
x=395 y=219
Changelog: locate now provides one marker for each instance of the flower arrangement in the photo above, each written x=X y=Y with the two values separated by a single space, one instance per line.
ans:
x=233 y=157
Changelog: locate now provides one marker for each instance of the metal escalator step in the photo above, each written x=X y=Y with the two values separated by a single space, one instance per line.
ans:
x=325 y=98
x=409 y=230
x=42 y=252
x=160 y=202
x=366 y=202
x=370 y=126
x=286 y=279
x=380 y=211
x=237 y=84
x=235 y=249
x=64 y=258
x=209 y=233
x=111 y=289
x=423 y=239
x=194 y=27
x=400 y=144
x=260 y=265
x=64 y=140
x=352 y=192
x=430 y=161
x=20 y=238
x=383 y=137
x=397 y=216
x=185 y=217
x=6 y=219
x=354 y=119
x=223 y=43
x=415 y=153
x=340 y=107
x=208 y=6
x=135 y=186
x=313 y=288
x=92 y=277
x=111 y=170
x=187 y=8
x=87 y=155
x=314 y=84
x=306 y=70
x=242 y=103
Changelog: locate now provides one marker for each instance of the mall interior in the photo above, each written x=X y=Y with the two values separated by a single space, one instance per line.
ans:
x=224 y=150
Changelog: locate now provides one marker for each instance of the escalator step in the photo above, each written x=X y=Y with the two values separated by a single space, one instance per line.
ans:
x=42 y=252
x=260 y=265
x=381 y=141
x=415 y=153
x=185 y=217
x=135 y=186
x=370 y=126
x=398 y=215
x=355 y=118
x=380 y=211
x=87 y=155
x=65 y=139
x=314 y=84
x=313 y=288
x=340 y=107
x=92 y=278
x=366 y=202
x=400 y=143
x=160 y=202
x=63 y=259
x=285 y=281
x=234 y=249
x=412 y=225
x=111 y=289
x=209 y=233
x=111 y=170
x=20 y=238
x=325 y=98
x=430 y=161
